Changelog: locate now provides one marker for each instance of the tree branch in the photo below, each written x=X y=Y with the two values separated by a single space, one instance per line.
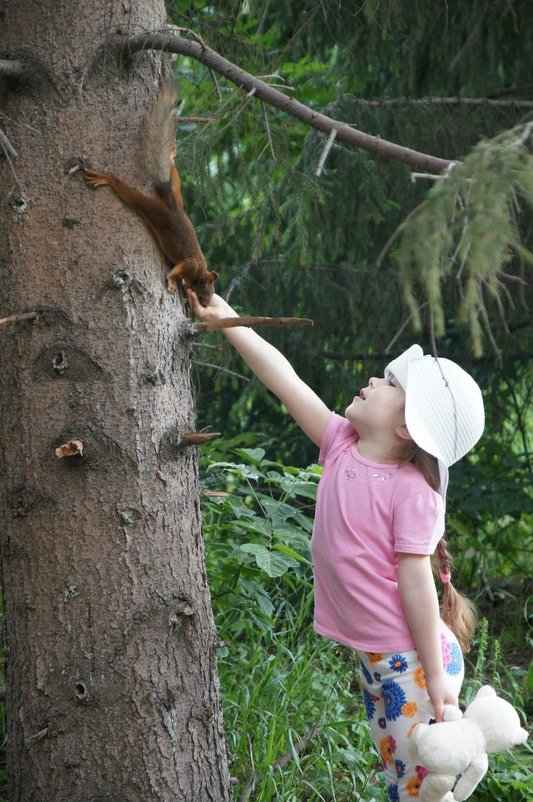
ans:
x=266 y=93
x=181 y=119
x=6 y=146
x=219 y=368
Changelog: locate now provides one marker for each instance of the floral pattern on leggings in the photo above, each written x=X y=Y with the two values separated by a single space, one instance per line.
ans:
x=394 y=692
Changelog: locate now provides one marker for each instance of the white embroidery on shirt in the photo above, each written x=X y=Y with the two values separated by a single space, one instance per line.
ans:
x=350 y=474
x=380 y=477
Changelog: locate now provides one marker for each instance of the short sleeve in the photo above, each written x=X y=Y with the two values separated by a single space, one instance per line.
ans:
x=338 y=434
x=419 y=523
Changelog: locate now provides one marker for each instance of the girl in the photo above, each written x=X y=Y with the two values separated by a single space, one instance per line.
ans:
x=379 y=518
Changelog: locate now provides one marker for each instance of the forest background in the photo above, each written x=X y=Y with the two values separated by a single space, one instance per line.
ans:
x=446 y=79
x=378 y=259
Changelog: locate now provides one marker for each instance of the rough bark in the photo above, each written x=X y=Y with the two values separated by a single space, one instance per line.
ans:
x=111 y=649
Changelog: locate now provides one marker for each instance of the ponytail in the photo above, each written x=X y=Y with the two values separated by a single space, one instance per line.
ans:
x=458 y=612
x=426 y=463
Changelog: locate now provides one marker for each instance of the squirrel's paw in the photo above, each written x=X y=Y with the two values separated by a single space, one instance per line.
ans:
x=172 y=284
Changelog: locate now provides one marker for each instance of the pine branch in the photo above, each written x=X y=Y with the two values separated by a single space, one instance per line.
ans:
x=387 y=355
x=263 y=91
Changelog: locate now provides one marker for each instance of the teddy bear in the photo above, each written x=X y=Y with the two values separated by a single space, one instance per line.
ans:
x=460 y=745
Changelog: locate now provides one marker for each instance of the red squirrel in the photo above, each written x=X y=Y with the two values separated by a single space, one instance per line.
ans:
x=163 y=212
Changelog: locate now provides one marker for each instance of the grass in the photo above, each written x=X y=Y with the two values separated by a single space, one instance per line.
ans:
x=298 y=690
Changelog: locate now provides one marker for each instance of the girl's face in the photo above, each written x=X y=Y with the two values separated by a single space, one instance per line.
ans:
x=378 y=409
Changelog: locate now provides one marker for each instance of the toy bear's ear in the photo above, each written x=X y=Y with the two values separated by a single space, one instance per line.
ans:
x=484 y=691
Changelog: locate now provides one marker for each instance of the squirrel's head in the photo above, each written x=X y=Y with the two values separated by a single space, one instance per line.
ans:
x=205 y=287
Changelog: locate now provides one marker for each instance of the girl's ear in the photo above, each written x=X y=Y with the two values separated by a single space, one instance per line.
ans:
x=402 y=432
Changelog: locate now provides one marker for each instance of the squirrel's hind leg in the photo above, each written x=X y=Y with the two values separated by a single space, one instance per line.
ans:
x=147 y=204
x=95 y=179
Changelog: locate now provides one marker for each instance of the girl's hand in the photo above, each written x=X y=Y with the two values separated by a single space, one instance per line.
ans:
x=440 y=694
x=216 y=309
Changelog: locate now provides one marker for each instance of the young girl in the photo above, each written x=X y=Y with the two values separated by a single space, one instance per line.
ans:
x=379 y=518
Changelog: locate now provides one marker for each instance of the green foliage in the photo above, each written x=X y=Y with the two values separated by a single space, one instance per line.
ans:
x=509 y=775
x=287 y=242
x=266 y=536
x=467 y=228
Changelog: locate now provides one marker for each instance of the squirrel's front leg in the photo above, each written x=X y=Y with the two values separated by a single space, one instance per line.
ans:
x=187 y=269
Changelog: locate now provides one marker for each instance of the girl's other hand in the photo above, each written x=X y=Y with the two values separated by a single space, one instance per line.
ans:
x=440 y=694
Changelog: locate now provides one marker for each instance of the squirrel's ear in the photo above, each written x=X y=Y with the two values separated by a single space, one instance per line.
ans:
x=213 y=276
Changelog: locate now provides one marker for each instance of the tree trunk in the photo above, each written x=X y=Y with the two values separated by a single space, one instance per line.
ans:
x=111 y=650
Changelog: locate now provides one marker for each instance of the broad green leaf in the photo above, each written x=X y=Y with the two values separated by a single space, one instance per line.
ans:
x=291 y=553
x=253 y=455
x=272 y=563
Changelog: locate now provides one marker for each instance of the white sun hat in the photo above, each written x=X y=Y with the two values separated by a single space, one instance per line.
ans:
x=443 y=405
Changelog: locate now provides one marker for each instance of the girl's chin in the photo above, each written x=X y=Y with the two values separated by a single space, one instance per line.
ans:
x=350 y=417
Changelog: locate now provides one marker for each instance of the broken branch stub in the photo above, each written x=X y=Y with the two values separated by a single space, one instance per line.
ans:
x=16 y=318
x=197 y=438
x=70 y=449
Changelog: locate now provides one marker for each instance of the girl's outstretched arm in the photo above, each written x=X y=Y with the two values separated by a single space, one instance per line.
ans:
x=270 y=367
x=421 y=606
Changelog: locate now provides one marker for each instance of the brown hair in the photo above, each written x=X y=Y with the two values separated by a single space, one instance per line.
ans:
x=458 y=612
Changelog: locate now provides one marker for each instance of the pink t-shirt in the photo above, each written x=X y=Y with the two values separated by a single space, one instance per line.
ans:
x=365 y=514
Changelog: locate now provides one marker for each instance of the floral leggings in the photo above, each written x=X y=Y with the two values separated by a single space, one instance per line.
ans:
x=394 y=689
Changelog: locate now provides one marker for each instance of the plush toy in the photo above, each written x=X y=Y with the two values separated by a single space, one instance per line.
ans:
x=459 y=745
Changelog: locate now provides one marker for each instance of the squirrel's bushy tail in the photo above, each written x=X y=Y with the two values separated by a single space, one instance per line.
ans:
x=160 y=136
